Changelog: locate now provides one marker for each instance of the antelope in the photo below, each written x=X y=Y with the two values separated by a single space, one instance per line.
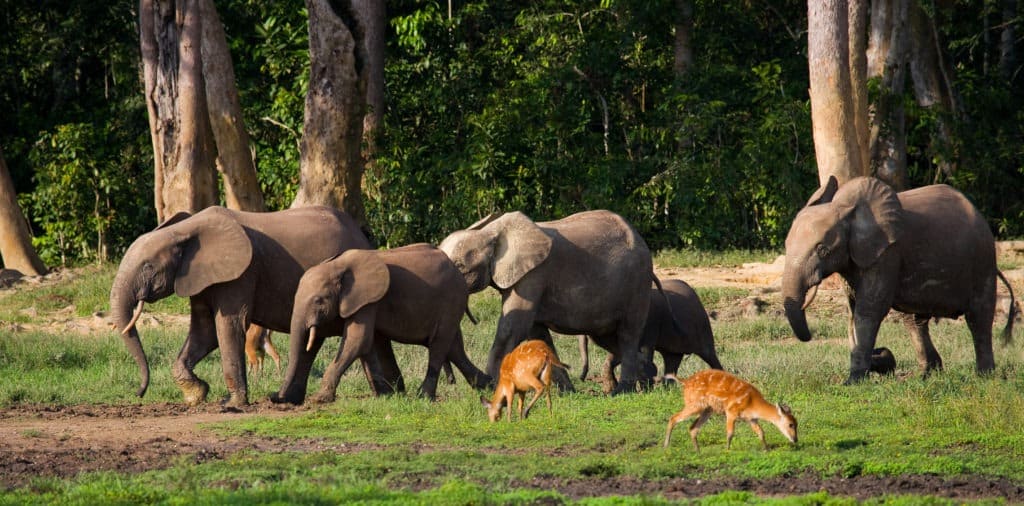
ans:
x=527 y=366
x=258 y=345
x=714 y=391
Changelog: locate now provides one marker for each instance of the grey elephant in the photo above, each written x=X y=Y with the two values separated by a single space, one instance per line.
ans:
x=926 y=252
x=692 y=335
x=236 y=268
x=411 y=295
x=588 y=273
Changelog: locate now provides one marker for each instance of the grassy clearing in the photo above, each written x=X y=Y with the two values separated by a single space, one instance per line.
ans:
x=950 y=424
x=683 y=258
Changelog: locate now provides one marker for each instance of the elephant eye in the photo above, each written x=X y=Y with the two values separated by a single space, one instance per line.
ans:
x=822 y=250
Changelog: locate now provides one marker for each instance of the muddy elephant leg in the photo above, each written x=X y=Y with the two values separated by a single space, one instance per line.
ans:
x=927 y=356
x=608 y=373
x=560 y=375
x=584 y=356
x=201 y=340
x=359 y=332
x=231 y=338
x=475 y=377
x=390 y=379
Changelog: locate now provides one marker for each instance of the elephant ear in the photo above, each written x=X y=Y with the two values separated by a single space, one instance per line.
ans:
x=365 y=280
x=520 y=247
x=215 y=247
x=484 y=221
x=825 y=194
x=178 y=217
x=875 y=218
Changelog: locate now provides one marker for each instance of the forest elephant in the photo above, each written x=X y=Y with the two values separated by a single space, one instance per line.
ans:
x=588 y=273
x=926 y=252
x=692 y=335
x=412 y=295
x=236 y=268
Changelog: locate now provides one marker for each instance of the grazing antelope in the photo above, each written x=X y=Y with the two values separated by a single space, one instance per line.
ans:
x=713 y=391
x=528 y=366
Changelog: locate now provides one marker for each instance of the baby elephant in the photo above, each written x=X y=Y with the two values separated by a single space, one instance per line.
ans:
x=527 y=366
x=412 y=295
x=692 y=335
x=712 y=391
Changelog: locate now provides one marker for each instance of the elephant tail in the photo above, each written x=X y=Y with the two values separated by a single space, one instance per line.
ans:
x=676 y=326
x=1011 y=313
x=472 y=318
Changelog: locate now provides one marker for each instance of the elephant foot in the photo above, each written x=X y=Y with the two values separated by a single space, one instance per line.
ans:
x=277 y=398
x=237 y=400
x=431 y=396
x=625 y=387
x=856 y=377
x=322 y=397
x=194 y=391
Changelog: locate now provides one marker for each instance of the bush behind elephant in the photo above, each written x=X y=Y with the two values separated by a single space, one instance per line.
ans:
x=412 y=295
x=236 y=268
x=588 y=273
x=926 y=252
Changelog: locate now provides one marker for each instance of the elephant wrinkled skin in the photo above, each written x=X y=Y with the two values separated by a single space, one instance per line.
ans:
x=588 y=273
x=236 y=268
x=411 y=295
x=926 y=252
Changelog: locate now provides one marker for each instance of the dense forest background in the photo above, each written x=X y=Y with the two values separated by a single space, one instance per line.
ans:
x=549 y=107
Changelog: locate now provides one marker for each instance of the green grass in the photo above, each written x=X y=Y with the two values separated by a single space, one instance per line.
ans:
x=411 y=450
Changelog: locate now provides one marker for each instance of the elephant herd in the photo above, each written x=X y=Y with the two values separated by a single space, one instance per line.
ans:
x=311 y=272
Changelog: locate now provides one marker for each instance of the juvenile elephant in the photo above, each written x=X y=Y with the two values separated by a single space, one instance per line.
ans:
x=412 y=295
x=236 y=268
x=588 y=273
x=926 y=252
x=692 y=335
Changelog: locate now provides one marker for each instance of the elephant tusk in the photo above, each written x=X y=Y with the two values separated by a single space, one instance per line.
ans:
x=814 y=291
x=312 y=337
x=135 y=317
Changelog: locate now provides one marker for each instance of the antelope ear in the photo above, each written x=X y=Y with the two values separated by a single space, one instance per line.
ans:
x=365 y=280
x=485 y=402
x=875 y=218
x=520 y=247
x=824 y=194
x=784 y=409
x=215 y=249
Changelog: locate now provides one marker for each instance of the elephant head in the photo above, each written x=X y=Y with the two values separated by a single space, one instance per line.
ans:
x=499 y=251
x=841 y=229
x=184 y=255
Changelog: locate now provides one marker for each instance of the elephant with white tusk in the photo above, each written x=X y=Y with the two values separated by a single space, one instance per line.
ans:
x=236 y=268
x=926 y=252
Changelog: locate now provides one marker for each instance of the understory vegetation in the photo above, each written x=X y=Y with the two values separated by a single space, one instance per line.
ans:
x=403 y=449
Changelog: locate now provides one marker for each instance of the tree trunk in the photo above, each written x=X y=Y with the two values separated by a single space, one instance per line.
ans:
x=331 y=167
x=372 y=16
x=234 y=158
x=170 y=38
x=887 y=61
x=1008 y=40
x=683 y=43
x=16 y=248
x=933 y=87
x=833 y=108
x=857 y=12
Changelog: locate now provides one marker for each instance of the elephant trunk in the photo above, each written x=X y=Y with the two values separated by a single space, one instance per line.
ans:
x=125 y=309
x=302 y=349
x=794 y=292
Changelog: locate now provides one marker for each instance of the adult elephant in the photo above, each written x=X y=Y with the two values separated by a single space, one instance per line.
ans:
x=236 y=268
x=925 y=252
x=412 y=295
x=588 y=273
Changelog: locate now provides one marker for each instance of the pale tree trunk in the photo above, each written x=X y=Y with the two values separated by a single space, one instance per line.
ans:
x=331 y=167
x=372 y=16
x=933 y=88
x=16 y=249
x=683 y=42
x=857 y=12
x=833 y=106
x=171 y=35
x=234 y=158
x=887 y=61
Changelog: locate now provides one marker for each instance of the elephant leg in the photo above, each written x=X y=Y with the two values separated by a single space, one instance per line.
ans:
x=517 y=314
x=437 y=357
x=449 y=375
x=851 y=307
x=927 y=356
x=980 y=325
x=561 y=377
x=672 y=361
x=390 y=379
x=608 y=372
x=201 y=340
x=231 y=338
x=628 y=335
x=475 y=377
x=866 y=328
x=359 y=332
x=584 y=356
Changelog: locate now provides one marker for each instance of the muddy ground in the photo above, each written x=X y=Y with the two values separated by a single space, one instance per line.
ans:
x=50 y=441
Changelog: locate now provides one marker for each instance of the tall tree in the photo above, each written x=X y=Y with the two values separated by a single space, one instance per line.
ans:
x=933 y=87
x=15 y=241
x=839 y=136
x=331 y=167
x=234 y=158
x=171 y=39
x=683 y=40
x=887 y=61
x=372 y=16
